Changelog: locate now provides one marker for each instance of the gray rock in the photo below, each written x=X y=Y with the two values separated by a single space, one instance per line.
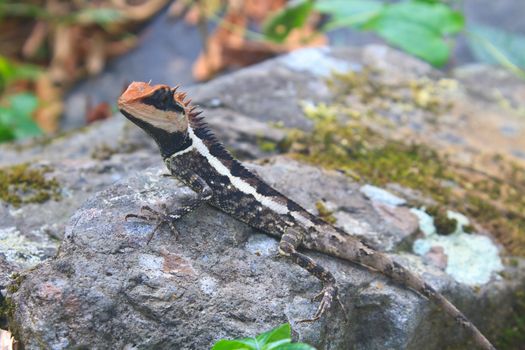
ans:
x=218 y=278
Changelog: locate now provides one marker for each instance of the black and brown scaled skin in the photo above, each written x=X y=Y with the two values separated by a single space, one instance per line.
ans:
x=194 y=156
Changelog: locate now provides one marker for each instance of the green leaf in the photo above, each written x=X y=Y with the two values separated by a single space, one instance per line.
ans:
x=276 y=339
x=6 y=133
x=231 y=345
x=429 y=1
x=26 y=128
x=26 y=71
x=10 y=72
x=6 y=68
x=436 y=17
x=296 y=346
x=278 y=26
x=23 y=104
x=415 y=39
x=342 y=8
x=21 y=9
x=18 y=115
x=98 y=15
x=348 y=12
x=419 y=28
x=276 y=334
x=495 y=46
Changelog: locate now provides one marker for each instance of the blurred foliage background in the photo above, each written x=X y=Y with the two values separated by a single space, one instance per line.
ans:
x=46 y=46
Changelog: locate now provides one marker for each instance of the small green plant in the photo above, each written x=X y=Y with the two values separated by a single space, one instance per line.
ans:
x=421 y=28
x=277 y=339
x=16 y=109
x=10 y=72
x=424 y=28
x=16 y=120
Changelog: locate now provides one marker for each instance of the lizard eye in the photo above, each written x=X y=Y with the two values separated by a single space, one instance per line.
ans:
x=160 y=96
x=164 y=100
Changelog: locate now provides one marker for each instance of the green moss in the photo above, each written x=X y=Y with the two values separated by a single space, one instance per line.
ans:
x=360 y=152
x=444 y=225
x=16 y=283
x=20 y=184
x=7 y=306
x=342 y=140
x=514 y=336
x=267 y=146
x=369 y=87
x=468 y=228
x=325 y=213
x=5 y=309
x=7 y=312
x=513 y=262
x=103 y=152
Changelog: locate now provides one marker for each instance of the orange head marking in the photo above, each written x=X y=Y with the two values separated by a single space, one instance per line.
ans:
x=156 y=105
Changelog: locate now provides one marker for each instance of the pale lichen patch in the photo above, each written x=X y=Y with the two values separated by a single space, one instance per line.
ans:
x=381 y=195
x=22 y=251
x=472 y=259
x=260 y=244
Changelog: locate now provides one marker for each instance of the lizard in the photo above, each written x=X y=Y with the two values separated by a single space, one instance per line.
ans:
x=194 y=156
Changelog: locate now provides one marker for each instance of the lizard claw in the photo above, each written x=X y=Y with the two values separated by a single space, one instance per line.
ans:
x=152 y=215
x=327 y=295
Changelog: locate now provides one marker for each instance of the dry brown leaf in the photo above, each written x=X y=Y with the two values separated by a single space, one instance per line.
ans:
x=306 y=36
x=227 y=47
x=120 y=47
x=99 y=112
x=76 y=48
x=259 y=10
x=51 y=105
x=35 y=40
x=63 y=63
x=214 y=59
x=96 y=55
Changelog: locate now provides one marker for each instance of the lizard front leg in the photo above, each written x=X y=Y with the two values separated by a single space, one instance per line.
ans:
x=290 y=240
x=164 y=217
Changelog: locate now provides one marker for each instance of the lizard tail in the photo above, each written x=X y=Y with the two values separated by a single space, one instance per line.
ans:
x=368 y=257
x=352 y=249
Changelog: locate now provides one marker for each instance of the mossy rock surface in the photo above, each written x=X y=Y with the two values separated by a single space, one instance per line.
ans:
x=383 y=118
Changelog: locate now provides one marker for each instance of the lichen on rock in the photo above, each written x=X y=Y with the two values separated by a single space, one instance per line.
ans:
x=362 y=140
x=21 y=251
x=472 y=259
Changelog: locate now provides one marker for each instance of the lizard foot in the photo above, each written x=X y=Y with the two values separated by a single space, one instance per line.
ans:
x=287 y=246
x=159 y=217
x=327 y=295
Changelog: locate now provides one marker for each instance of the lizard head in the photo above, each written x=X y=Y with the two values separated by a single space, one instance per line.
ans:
x=160 y=111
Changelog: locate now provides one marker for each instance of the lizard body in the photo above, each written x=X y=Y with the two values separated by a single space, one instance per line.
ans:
x=194 y=156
